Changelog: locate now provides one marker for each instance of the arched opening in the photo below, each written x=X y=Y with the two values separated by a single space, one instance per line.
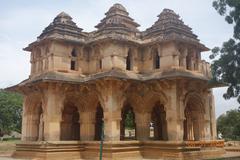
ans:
x=40 y=123
x=128 y=126
x=35 y=120
x=129 y=61
x=99 y=122
x=193 y=123
x=156 y=59
x=159 y=123
x=70 y=127
x=73 y=65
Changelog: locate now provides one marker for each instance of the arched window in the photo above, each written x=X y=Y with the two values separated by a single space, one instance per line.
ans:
x=70 y=126
x=159 y=123
x=156 y=60
x=129 y=61
x=194 y=115
x=34 y=113
x=73 y=65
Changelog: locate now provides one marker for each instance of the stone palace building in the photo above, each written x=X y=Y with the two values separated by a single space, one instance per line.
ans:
x=82 y=80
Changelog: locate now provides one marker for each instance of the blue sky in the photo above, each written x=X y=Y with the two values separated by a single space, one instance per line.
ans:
x=22 y=21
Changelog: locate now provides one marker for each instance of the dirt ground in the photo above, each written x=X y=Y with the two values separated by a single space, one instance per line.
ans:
x=7 y=147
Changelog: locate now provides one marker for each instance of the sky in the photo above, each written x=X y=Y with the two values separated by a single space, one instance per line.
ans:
x=21 y=21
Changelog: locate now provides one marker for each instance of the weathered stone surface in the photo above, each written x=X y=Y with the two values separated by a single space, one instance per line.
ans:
x=80 y=81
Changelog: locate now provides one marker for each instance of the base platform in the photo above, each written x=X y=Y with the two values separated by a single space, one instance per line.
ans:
x=120 y=150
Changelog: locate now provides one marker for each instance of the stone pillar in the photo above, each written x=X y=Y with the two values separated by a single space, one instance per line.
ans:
x=30 y=121
x=197 y=130
x=213 y=118
x=87 y=126
x=29 y=128
x=112 y=126
x=182 y=117
x=142 y=125
x=33 y=129
x=40 y=128
x=207 y=130
x=190 y=130
x=184 y=58
x=111 y=95
x=24 y=121
x=172 y=126
x=191 y=63
x=53 y=102
x=172 y=116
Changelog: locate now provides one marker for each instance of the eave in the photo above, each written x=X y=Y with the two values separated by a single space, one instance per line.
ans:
x=112 y=74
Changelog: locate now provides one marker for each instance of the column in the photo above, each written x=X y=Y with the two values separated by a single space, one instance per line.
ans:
x=111 y=95
x=87 y=126
x=112 y=126
x=24 y=121
x=182 y=119
x=30 y=122
x=142 y=125
x=191 y=63
x=207 y=130
x=53 y=102
x=172 y=126
x=184 y=58
x=196 y=130
x=33 y=129
x=190 y=129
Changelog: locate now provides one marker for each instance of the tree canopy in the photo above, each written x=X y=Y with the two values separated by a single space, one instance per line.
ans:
x=129 y=121
x=226 y=64
x=229 y=125
x=10 y=112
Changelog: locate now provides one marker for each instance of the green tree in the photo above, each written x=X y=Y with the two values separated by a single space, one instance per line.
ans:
x=129 y=121
x=10 y=112
x=229 y=125
x=226 y=64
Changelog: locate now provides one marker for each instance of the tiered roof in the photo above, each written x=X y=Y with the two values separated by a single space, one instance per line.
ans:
x=117 y=25
x=169 y=26
x=62 y=27
x=117 y=20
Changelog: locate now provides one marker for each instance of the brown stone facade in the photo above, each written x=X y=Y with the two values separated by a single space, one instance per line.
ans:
x=80 y=81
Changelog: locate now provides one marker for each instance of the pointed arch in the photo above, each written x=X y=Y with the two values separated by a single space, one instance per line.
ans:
x=159 y=123
x=34 y=114
x=70 y=126
x=193 y=117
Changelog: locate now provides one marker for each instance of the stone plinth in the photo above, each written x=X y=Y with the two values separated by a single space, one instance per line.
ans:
x=120 y=150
